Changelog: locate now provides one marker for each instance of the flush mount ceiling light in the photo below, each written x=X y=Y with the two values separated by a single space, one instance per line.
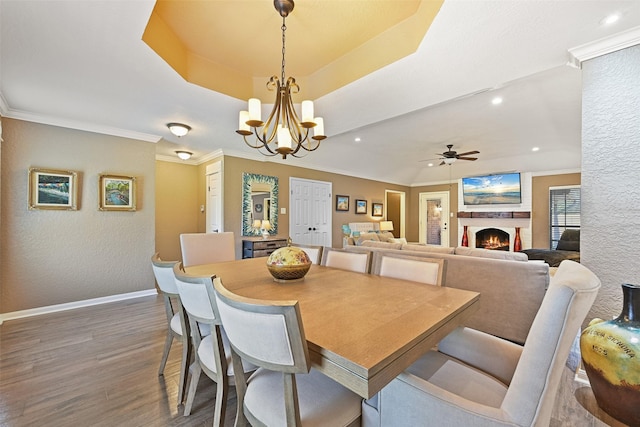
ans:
x=178 y=129
x=184 y=155
x=284 y=132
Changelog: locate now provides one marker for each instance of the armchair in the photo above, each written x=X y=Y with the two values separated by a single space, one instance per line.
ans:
x=481 y=380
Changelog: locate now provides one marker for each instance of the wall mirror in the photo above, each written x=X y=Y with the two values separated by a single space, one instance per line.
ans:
x=259 y=203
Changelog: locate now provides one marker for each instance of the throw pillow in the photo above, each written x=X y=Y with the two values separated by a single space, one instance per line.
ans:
x=568 y=245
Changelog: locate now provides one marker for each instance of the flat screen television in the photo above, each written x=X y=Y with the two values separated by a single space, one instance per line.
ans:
x=499 y=189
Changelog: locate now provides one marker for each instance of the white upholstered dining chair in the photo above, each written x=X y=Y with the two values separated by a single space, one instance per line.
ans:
x=313 y=251
x=477 y=379
x=212 y=352
x=284 y=390
x=176 y=322
x=353 y=261
x=207 y=248
x=416 y=269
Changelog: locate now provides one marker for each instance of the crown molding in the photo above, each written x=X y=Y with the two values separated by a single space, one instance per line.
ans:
x=75 y=124
x=603 y=46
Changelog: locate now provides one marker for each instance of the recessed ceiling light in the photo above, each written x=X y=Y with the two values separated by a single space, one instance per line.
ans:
x=535 y=149
x=357 y=139
x=611 y=19
x=496 y=101
x=430 y=165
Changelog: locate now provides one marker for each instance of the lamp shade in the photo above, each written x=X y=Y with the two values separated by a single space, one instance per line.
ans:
x=386 y=225
x=266 y=224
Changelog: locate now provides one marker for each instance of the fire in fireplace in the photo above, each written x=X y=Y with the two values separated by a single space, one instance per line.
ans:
x=492 y=238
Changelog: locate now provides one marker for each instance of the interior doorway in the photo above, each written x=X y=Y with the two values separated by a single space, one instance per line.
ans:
x=434 y=218
x=395 y=210
x=214 y=219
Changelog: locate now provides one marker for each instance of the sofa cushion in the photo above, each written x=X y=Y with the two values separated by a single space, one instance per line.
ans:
x=427 y=248
x=383 y=245
x=366 y=236
x=385 y=236
x=568 y=245
x=486 y=253
x=402 y=240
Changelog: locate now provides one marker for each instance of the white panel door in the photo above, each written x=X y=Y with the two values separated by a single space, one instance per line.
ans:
x=434 y=218
x=214 y=198
x=310 y=212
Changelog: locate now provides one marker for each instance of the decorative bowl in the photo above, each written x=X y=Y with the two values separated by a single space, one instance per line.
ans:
x=288 y=263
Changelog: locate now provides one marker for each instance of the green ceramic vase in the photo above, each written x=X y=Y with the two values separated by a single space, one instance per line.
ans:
x=611 y=356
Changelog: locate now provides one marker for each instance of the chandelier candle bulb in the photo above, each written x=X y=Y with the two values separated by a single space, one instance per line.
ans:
x=284 y=137
x=307 y=111
x=242 y=122
x=255 y=113
x=318 y=130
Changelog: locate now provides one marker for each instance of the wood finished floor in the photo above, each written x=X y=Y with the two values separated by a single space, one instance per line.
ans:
x=96 y=366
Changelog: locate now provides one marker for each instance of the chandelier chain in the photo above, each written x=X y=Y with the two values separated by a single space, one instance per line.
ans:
x=284 y=28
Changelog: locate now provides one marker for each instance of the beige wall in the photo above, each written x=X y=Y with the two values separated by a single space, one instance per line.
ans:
x=177 y=206
x=540 y=204
x=355 y=188
x=54 y=257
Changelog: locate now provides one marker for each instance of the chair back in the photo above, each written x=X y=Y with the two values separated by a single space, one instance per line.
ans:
x=314 y=252
x=532 y=392
x=353 y=261
x=163 y=272
x=207 y=248
x=416 y=269
x=197 y=297
x=268 y=334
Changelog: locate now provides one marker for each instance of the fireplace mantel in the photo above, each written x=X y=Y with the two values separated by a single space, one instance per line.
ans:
x=504 y=214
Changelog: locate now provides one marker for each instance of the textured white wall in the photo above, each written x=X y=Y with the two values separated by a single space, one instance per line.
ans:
x=54 y=257
x=610 y=232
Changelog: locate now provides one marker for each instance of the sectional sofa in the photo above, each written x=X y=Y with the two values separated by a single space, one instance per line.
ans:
x=511 y=287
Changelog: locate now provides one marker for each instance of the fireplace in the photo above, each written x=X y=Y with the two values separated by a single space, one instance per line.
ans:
x=492 y=238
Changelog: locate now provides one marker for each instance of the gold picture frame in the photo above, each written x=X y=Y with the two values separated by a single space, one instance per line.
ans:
x=117 y=193
x=53 y=189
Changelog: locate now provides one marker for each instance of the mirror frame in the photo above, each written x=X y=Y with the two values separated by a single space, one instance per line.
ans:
x=248 y=179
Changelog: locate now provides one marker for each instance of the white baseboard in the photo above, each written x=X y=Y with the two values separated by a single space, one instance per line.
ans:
x=76 y=304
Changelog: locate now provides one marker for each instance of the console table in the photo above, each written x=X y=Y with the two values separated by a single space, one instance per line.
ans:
x=260 y=247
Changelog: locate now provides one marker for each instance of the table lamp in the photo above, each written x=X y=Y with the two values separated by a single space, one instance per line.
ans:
x=386 y=225
x=265 y=227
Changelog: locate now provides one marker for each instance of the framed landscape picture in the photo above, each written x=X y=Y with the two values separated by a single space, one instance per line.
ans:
x=117 y=193
x=361 y=206
x=376 y=209
x=342 y=203
x=53 y=189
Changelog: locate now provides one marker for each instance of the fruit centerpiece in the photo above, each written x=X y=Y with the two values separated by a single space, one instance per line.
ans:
x=288 y=263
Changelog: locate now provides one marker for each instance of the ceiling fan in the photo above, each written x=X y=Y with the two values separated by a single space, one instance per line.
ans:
x=450 y=156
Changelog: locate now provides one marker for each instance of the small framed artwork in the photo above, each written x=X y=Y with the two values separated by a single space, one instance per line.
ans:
x=342 y=203
x=117 y=193
x=361 y=206
x=53 y=189
x=376 y=209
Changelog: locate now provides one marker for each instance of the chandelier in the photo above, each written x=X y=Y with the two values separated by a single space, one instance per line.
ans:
x=284 y=132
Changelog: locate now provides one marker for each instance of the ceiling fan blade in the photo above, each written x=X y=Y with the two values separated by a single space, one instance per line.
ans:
x=468 y=153
x=467 y=158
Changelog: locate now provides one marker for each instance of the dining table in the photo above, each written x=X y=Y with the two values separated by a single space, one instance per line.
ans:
x=362 y=329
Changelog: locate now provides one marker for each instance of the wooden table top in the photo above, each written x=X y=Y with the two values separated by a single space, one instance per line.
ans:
x=362 y=329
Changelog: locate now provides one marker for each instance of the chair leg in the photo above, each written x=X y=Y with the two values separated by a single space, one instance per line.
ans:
x=195 y=371
x=165 y=353
x=222 y=394
x=184 y=366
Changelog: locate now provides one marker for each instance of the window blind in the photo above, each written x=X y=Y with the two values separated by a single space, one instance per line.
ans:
x=564 y=209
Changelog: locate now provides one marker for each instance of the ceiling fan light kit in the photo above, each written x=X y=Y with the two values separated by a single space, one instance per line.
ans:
x=284 y=132
x=450 y=156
